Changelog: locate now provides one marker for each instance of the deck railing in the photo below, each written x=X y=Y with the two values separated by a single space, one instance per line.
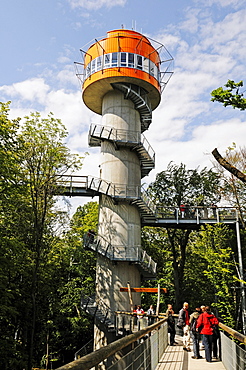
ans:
x=148 y=353
x=157 y=341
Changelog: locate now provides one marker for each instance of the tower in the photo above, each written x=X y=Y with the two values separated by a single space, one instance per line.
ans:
x=122 y=80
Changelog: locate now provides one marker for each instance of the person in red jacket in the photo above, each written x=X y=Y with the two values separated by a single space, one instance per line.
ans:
x=205 y=322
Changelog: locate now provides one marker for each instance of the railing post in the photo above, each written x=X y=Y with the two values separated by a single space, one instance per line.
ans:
x=240 y=262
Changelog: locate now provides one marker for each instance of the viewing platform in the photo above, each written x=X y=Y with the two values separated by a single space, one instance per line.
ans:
x=186 y=217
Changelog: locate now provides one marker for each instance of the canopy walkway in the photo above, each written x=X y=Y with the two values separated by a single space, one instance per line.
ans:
x=192 y=217
x=148 y=349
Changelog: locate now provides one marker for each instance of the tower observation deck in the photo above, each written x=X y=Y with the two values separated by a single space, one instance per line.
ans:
x=122 y=76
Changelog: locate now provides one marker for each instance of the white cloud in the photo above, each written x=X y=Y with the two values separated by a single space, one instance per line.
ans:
x=223 y=3
x=96 y=4
x=35 y=89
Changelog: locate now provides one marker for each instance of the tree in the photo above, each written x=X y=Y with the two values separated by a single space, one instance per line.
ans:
x=216 y=276
x=32 y=157
x=173 y=187
x=68 y=329
x=232 y=183
x=44 y=159
x=230 y=96
x=236 y=100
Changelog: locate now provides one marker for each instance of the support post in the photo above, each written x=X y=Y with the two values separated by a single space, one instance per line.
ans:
x=158 y=300
x=240 y=262
x=130 y=295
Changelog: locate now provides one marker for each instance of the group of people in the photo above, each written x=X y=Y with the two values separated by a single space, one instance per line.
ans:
x=140 y=313
x=186 y=211
x=200 y=322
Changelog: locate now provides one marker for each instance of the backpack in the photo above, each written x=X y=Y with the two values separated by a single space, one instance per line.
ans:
x=193 y=325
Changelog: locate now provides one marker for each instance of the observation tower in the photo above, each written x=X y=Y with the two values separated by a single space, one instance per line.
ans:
x=123 y=76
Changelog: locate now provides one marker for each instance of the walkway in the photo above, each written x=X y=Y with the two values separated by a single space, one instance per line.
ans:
x=175 y=358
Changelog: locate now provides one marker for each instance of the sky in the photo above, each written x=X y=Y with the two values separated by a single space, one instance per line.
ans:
x=41 y=40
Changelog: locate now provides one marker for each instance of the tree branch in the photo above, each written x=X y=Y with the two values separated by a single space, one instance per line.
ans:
x=241 y=176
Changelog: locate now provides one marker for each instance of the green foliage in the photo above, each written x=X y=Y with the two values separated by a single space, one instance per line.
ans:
x=155 y=242
x=212 y=247
x=230 y=96
x=172 y=187
x=177 y=185
x=42 y=273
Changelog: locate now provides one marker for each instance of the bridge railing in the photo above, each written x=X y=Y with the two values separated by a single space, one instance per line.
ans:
x=150 y=350
x=148 y=353
x=197 y=212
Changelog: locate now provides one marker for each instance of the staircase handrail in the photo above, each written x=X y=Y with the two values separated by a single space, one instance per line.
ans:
x=147 y=200
x=101 y=307
x=83 y=350
x=120 y=135
x=120 y=252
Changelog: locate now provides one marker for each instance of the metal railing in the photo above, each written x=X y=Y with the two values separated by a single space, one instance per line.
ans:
x=218 y=214
x=233 y=356
x=99 y=310
x=147 y=354
x=133 y=254
x=85 y=350
x=121 y=136
x=140 y=356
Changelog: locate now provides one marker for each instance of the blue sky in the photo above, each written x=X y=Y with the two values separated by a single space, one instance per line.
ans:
x=40 y=40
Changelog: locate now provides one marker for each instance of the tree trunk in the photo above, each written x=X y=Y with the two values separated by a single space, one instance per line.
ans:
x=179 y=258
x=228 y=166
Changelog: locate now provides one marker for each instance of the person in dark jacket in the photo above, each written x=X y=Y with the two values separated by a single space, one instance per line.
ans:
x=206 y=321
x=194 y=334
x=171 y=324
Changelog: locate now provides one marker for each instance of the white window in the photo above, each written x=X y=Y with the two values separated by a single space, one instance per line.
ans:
x=131 y=60
x=99 y=63
x=146 y=65
x=152 y=68
x=114 y=60
x=139 y=62
x=107 y=60
x=93 y=64
x=88 y=70
x=123 y=59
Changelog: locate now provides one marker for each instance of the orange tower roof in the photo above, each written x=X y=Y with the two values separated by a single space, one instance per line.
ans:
x=124 y=56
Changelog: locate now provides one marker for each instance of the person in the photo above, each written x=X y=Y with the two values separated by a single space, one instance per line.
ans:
x=171 y=324
x=202 y=310
x=151 y=311
x=194 y=334
x=215 y=337
x=140 y=313
x=206 y=321
x=184 y=322
x=182 y=210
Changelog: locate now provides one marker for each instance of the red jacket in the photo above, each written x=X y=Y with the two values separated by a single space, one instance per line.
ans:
x=207 y=321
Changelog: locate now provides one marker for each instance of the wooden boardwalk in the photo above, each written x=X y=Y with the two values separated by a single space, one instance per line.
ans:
x=175 y=358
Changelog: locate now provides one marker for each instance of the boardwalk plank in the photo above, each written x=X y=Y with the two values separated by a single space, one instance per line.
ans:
x=175 y=358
